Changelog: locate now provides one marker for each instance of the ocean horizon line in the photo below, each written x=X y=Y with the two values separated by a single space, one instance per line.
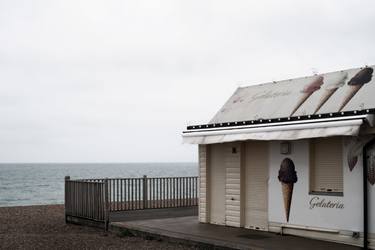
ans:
x=125 y=162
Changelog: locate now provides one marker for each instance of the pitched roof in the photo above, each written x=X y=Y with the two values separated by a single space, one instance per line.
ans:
x=334 y=92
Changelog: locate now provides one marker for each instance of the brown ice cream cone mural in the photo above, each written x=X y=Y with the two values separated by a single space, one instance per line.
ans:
x=355 y=84
x=355 y=148
x=287 y=189
x=287 y=177
x=330 y=87
x=307 y=91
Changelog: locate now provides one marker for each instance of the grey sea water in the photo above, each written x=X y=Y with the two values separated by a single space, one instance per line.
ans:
x=36 y=184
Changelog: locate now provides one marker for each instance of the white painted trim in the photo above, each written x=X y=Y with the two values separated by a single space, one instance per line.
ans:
x=282 y=226
x=286 y=127
x=369 y=119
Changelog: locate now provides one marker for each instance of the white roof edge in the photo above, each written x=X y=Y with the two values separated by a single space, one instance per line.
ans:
x=292 y=131
x=369 y=118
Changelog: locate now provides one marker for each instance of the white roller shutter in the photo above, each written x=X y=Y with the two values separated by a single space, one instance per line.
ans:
x=217 y=184
x=326 y=165
x=256 y=192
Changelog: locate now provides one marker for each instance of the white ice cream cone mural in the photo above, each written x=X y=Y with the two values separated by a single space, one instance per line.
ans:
x=307 y=91
x=287 y=177
x=330 y=87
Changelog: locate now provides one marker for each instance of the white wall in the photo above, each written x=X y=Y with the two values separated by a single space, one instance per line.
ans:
x=350 y=218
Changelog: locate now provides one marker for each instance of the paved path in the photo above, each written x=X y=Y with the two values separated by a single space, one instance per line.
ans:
x=188 y=229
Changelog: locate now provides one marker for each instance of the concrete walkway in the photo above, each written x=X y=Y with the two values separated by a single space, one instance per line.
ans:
x=189 y=230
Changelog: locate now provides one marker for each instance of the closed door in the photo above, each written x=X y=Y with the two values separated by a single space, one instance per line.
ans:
x=217 y=184
x=256 y=185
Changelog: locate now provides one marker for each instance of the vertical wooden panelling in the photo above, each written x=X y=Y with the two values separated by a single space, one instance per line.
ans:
x=233 y=184
x=203 y=183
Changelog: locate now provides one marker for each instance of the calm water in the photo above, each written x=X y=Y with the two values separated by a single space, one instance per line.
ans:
x=34 y=184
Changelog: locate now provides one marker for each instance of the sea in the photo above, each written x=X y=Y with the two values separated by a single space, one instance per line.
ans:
x=43 y=183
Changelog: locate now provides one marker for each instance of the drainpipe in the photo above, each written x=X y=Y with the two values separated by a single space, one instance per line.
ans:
x=365 y=194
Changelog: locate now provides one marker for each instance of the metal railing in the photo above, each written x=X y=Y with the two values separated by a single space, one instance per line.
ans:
x=144 y=193
x=86 y=199
x=94 y=199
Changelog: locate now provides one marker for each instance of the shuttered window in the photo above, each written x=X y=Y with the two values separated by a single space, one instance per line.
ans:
x=326 y=165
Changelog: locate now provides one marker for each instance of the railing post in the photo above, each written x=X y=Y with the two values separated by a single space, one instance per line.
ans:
x=106 y=205
x=144 y=191
x=67 y=178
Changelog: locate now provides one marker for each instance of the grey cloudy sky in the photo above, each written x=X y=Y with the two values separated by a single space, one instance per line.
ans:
x=117 y=81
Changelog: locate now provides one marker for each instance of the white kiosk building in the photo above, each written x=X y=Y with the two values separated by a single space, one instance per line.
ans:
x=293 y=157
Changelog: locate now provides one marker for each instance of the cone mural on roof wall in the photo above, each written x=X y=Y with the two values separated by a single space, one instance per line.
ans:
x=338 y=93
x=287 y=177
x=356 y=83
x=307 y=91
x=330 y=87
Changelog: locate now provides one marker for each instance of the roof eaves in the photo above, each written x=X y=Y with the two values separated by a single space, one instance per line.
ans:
x=238 y=124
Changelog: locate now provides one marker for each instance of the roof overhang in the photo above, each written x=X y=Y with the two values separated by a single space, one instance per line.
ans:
x=324 y=125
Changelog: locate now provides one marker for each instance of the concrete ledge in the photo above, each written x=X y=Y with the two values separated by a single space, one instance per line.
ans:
x=155 y=213
x=84 y=221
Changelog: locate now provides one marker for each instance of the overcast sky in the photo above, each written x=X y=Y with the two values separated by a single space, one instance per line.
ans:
x=117 y=81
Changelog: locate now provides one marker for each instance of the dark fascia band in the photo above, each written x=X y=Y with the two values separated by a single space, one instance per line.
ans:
x=282 y=119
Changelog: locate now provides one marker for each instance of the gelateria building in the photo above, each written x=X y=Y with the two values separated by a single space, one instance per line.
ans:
x=294 y=157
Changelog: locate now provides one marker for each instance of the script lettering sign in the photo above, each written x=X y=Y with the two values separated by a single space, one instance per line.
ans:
x=317 y=202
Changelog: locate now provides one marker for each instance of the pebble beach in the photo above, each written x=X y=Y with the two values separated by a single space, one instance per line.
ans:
x=43 y=227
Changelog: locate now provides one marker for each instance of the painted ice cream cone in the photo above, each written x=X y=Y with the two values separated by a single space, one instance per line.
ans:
x=355 y=148
x=330 y=88
x=356 y=83
x=287 y=189
x=287 y=177
x=307 y=91
x=353 y=89
x=302 y=99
